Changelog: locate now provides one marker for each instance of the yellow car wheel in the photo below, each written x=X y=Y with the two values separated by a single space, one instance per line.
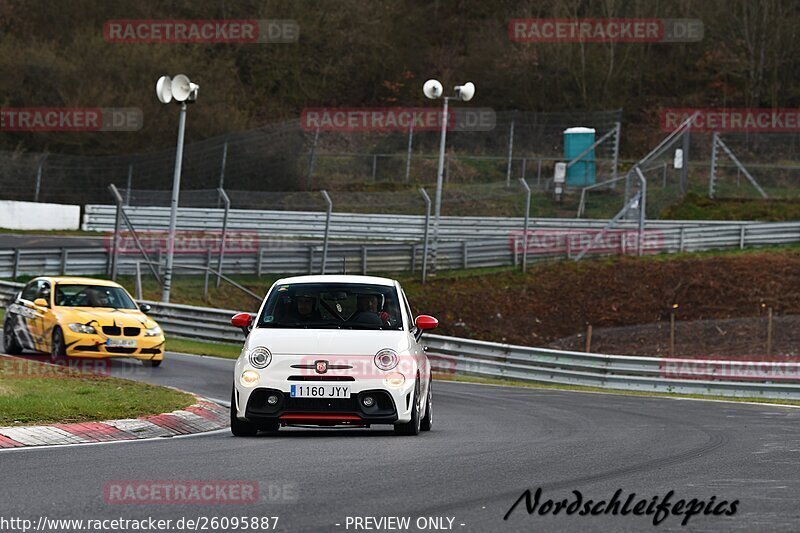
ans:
x=58 y=349
x=10 y=342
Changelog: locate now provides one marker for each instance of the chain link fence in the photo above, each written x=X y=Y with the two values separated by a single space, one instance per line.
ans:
x=285 y=165
x=287 y=156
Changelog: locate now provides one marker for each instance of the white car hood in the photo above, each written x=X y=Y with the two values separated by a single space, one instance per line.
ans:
x=327 y=341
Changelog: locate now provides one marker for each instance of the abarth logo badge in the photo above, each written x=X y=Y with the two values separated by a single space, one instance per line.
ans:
x=321 y=366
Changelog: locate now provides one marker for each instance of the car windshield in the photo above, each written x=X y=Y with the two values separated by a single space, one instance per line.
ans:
x=81 y=295
x=332 y=305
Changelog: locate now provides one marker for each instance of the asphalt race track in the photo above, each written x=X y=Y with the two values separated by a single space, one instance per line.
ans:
x=488 y=445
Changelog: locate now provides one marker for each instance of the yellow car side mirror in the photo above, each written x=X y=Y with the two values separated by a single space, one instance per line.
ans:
x=40 y=302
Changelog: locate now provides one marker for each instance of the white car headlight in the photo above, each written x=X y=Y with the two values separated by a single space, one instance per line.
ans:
x=395 y=380
x=249 y=378
x=152 y=332
x=82 y=328
x=386 y=359
x=259 y=357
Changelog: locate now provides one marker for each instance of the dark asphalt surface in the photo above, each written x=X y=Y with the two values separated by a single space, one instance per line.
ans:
x=488 y=445
x=28 y=240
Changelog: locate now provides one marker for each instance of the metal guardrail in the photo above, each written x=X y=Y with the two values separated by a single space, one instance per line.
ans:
x=751 y=379
x=273 y=259
x=7 y=291
x=544 y=243
x=344 y=226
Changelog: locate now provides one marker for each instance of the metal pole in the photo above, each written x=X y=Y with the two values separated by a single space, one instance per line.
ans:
x=173 y=215
x=672 y=334
x=427 y=198
x=39 y=172
x=205 y=276
x=64 y=256
x=769 y=332
x=527 y=218
x=712 y=177
x=642 y=208
x=539 y=173
x=224 y=164
x=741 y=167
x=112 y=266
x=588 y=338
x=138 y=280
x=615 y=167
x=15 y=268
x=311 y=157
x=685 y=169
x=510 y=153
x=130 y=182
x=327 y=229
x=118 y=199
x=222 y=170
x=437 y=209
x=408 y=157
x=227 y=202
x=363 y=260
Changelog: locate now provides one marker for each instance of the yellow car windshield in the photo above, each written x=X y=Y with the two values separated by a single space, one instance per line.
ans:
x=78 y=295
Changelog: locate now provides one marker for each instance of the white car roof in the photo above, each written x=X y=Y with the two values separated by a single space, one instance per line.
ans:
x=337 y=278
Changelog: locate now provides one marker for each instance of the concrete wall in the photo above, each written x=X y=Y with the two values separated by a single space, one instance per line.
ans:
x=32 y=215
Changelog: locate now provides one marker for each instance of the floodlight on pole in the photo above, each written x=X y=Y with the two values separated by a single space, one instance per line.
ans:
x=182 y=91
x=433 y=90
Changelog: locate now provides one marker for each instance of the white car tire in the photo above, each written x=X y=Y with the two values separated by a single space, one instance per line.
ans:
x=240 y=428
x=411 y=427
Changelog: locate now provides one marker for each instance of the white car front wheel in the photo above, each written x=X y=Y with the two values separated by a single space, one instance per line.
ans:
x=240 y=428
x=411 y=427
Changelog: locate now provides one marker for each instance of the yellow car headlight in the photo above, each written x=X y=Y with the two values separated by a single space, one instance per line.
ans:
x=155 y=331
x=82 y=328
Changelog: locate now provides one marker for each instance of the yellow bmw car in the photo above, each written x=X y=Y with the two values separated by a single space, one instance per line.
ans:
x=81 y=317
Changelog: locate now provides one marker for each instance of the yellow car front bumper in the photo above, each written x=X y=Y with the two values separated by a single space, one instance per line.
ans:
x=100 y=346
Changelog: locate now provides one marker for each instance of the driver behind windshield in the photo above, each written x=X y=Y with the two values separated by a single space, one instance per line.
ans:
x=305 y=309
x=97 y=297
x=367 y=310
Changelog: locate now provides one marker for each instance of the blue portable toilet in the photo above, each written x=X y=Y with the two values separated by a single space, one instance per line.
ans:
x=576 y=140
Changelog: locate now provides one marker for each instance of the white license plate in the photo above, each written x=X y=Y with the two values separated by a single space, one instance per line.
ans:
x=121 y=343
x=320 y=391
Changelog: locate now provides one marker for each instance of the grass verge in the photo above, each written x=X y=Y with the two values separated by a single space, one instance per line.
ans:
x=213 y=349
x=580 y=388
x=37 y=393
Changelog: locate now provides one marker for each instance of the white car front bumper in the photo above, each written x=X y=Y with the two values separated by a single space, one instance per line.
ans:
x=393 y=401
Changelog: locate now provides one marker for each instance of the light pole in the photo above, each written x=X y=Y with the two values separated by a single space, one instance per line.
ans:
x=433 y=89
x=182 y=91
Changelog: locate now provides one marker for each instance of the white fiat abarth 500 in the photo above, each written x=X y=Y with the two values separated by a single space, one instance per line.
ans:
x=332 y=351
